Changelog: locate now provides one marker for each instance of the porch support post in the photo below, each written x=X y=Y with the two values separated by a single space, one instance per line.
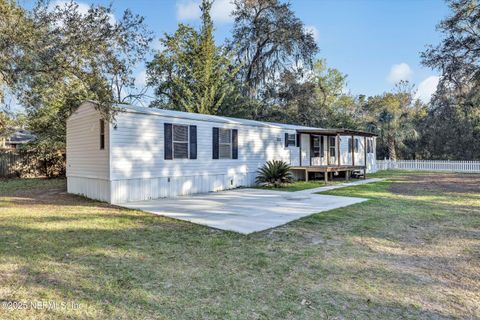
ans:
x=338 y=149
x=365 y=157
x=325 y=176
x=300 y=149
x=328 y=150
x=311 y=149
x=306 y=174
x=347 y=175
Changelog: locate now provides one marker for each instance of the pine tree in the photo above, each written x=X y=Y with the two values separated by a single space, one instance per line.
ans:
x=192 y=74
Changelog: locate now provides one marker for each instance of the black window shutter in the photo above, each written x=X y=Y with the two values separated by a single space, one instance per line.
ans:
x=286 y=140
x=215 y=143
x=322 y=151
x=349 y=144
x=298 y=139
x=234 y=144
x=193 y=142
x=168 y=141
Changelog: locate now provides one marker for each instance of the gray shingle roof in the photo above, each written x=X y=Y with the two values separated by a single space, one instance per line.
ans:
x=206 y=117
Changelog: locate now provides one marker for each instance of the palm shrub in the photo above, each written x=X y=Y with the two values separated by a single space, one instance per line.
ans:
x=274 y=173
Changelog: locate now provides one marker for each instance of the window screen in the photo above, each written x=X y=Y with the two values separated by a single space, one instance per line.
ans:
x=291 y=141
x=316 y=146
x=225 y=143
x=332 y=146
x=180 y=142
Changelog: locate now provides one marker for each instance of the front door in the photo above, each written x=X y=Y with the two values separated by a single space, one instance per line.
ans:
x=315 y=150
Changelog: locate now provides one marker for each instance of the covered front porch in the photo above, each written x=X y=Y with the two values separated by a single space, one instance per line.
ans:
x=329 y=170
x=330 y=152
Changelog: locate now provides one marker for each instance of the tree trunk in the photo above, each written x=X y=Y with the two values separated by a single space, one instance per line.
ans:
x=392 y=154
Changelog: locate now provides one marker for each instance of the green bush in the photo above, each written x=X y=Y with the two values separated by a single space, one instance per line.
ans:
x=41 y=159
x=274 y=173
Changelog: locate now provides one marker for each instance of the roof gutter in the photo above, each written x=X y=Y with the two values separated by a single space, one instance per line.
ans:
x=334 y=132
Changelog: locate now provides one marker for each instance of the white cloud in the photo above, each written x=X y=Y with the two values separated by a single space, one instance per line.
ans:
x=82 y=8
x=141 y=79
x=313 y=31
x=222 y=11
x=427 y=88
x=188 y=10
x=399 y=72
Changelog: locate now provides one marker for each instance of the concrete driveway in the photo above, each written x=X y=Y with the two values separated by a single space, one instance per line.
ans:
x=245 y=210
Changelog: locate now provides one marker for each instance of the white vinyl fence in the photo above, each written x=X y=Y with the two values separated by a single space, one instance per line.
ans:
x=430 y=165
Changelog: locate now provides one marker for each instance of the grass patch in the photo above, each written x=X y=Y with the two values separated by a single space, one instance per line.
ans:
x=409 y=252
x=304 y=185
x=11 y=185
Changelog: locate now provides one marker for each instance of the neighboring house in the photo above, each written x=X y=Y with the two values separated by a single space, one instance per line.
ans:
x=153 y=153
x=16 y=139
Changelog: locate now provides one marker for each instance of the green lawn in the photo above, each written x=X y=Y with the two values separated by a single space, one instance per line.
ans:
x=297 y=186
x=412 y=251
x=303 y=185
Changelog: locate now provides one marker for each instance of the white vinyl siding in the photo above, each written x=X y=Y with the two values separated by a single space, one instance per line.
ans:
x=138 y=162
x=88 y=166
x=84 y=156
x=137 y=148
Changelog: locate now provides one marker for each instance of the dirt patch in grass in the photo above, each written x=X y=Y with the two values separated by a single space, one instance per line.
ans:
x=436 y=182
x=33 y=192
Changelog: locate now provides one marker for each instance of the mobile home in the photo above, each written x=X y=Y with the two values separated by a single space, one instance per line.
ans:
x=148 y=153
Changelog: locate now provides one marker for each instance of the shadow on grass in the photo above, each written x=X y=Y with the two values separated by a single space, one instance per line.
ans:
x=149 y=270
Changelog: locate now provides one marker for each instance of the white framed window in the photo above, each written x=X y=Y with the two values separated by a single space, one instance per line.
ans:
x=291 y=139
x=355 y=145
x=316 y=146
x=225 y=143
x=333 y=142
x=369 y=145
x=180 y=141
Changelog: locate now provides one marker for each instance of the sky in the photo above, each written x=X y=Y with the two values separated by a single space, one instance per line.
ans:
x=375 y=42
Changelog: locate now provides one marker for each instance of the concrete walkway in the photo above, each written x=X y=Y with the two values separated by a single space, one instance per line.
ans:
x=247 y=210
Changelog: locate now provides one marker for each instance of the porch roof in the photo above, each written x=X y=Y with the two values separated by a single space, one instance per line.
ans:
x=334 y=132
